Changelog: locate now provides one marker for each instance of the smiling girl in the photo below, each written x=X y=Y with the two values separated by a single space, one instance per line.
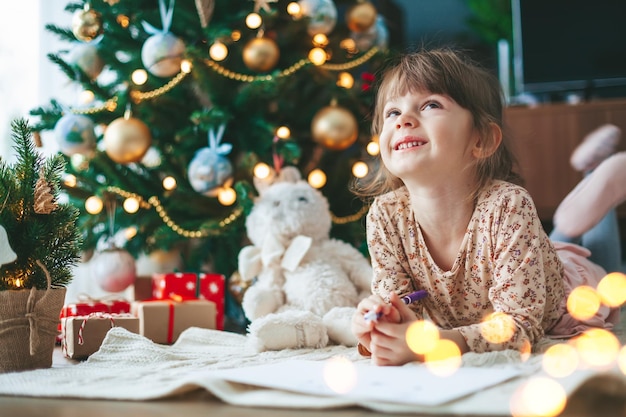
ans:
x=450 y=218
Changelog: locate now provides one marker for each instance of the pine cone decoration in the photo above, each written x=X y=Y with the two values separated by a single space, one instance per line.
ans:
x=44 y=198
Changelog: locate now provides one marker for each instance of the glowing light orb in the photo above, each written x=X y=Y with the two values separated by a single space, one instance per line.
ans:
x=560 y=360
x=422 y=336
x=583 y=302
x=498 y=327
x=340 y=374
x=612 y=289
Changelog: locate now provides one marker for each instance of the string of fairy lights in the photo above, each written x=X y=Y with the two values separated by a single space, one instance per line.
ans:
x=218 y=51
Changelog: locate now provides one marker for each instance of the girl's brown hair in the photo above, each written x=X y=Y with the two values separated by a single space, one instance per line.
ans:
x=452 y=73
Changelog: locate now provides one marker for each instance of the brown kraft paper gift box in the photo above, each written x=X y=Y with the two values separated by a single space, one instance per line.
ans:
x=162 y=321
x=81 y=343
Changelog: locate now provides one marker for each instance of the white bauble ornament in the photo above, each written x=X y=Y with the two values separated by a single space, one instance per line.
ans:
x=162 y=54
x=209 y=170
x=74 y=134
x=113 y=269
x=85 y=56
x=322 y=15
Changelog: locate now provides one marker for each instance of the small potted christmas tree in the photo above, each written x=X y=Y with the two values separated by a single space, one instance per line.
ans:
x=39 y=244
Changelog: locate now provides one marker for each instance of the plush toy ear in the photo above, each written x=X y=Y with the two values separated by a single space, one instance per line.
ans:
x=287 y=174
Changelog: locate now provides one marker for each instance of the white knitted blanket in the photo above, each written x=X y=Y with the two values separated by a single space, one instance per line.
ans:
x=131 y=367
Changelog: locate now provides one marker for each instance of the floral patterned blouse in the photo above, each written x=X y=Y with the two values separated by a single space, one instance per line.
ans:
x=506 y=263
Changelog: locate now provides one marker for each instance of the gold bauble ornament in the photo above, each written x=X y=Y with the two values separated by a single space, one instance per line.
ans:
x=361 y=17
x=127 y=140
x=261 y=54
x=86 y=24
x=334 y=127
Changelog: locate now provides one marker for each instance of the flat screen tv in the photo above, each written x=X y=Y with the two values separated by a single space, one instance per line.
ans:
x=564 y=46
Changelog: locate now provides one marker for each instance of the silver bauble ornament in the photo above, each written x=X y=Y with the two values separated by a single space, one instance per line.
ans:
x=321 y=14
x=162 y=53
x=74 y=134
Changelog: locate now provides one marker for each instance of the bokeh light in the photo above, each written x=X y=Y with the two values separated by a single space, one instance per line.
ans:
x=254 y=20
x=345 y=80
x=538 y=397
x=218 y=51
x=560 y=360
x=373 y=148
x=139 y=76
x=261 y=170
x=169 y=183
x=583 y=302
x=317 y=178
x=70 y=180
x=186 y=66
x=444 y=359
x=227 y=196
x=360 y=169
x=597 y=347
x=317 y=56
x=340 y=374
x=94 y=204
x=422 y=336
x=283 y=132
x=131 y=205
x=612 y=289
x=293 y=9
x=498 y=327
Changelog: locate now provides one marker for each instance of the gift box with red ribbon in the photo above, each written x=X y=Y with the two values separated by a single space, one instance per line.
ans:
x=162 y=321
x=86 y=306
x=82 y=336
x=180 y=286
x=211 y=287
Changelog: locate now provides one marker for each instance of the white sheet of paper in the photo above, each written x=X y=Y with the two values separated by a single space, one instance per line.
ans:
x=404 y=385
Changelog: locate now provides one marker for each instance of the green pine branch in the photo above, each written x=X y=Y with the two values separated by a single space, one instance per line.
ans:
x=51 y=238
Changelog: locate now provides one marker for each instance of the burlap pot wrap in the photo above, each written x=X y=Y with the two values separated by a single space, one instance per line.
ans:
x=28 y=327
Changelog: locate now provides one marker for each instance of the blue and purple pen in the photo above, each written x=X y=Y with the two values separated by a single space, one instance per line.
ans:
x=407 y=299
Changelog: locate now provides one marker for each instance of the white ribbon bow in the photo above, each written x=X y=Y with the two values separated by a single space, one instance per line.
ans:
x=252 y=259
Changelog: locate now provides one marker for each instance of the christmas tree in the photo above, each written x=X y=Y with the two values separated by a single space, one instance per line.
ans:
x=191 y=102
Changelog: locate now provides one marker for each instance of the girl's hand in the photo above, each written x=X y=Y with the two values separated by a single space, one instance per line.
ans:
x=388 y=335
x=361 y=328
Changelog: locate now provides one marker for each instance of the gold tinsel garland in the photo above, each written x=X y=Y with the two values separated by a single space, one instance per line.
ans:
x=154 y=202
x=139 y=96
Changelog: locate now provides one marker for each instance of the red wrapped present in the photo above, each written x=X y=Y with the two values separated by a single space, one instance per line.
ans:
x=162 y=321
x=87 y=305
x=211 y=287
x=179 y=286
x=175 y=285
x=83 y=335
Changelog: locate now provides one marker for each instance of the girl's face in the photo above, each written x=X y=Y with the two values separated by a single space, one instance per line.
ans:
x=426 y=136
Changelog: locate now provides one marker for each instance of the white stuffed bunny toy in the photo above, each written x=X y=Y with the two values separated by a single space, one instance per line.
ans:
x=307 y=284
